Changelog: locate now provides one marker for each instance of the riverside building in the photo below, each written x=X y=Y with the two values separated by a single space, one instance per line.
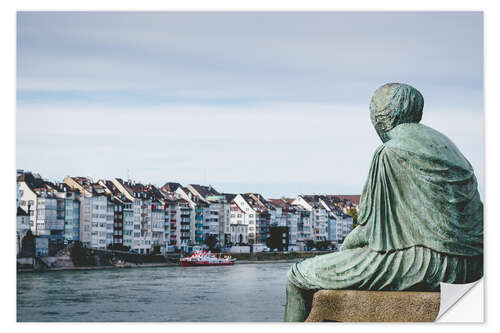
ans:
x=137 y=193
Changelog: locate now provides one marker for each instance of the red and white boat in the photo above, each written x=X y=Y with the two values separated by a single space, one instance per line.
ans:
x=203 y=258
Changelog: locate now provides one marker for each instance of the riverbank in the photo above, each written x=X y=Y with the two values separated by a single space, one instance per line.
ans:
x=56 y=269
x=89 y=268
x=268 y=261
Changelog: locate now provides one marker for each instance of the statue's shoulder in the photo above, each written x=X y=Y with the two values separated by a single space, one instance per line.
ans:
x=417 y=141
x=415 y=136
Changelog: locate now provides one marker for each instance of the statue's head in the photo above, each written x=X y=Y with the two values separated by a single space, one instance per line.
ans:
x=393 y=104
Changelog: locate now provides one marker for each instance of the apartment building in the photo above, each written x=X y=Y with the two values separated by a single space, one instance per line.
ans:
x=211 y=209
x=339 y=223
x=255 y=213
x=158 y=213
x=71 y=212
x=286 y=216
x=96 y=219
x=22 y=227
x=226 y=228
x=318 y=215
x=138 y=194
x=304 y=226
x=239 y=227
x=123 y=219
x=128 y=222
x=28 y=183
x=45 y=208
x=200 y=209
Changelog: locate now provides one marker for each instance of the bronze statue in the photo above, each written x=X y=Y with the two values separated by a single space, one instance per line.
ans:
x=420 y=215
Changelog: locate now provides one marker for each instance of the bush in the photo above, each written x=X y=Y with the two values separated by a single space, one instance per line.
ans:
x=80 y=256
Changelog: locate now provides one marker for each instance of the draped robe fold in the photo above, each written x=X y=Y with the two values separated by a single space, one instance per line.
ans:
x=420 y=223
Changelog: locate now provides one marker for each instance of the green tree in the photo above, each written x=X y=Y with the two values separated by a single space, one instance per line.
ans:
x=354 y=214
x=322 y=245
x=211 y=242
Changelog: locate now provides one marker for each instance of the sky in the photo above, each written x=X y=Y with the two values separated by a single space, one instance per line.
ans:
x=268 y=102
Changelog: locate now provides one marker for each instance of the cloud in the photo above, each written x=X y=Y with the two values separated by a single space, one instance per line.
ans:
x=236 y=98
x=269 y=143
x=308 y=57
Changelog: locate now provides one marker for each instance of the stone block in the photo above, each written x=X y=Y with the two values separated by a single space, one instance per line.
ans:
x=374 y=306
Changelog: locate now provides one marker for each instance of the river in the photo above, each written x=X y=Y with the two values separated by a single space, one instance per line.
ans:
x=239 y=293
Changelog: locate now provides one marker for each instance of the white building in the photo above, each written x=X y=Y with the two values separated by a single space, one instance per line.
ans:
x=254 y=212
x=158 y=226
x=239 y=228
x=339 y=223
x=138 y=194
x=39 y=199
x=200 y=209
x=184 y=218
x=128 y=222
x=94 y=213
x=71 y=212
x=318 y=216
x=287 y=216
x=27 y=183
x=304 y=226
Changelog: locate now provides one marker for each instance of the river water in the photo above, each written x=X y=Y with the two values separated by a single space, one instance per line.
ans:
x=239 y=293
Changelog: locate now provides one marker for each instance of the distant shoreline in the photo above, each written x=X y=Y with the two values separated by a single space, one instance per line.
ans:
x=90 y=268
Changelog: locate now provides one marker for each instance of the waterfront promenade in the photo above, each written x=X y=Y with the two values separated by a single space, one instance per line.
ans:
x=242 y=259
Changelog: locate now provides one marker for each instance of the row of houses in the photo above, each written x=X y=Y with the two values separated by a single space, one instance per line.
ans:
x=147 y=219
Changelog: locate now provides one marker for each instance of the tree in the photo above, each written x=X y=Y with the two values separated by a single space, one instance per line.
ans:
x=310 y=244
x=118 y=247
x=354 y=214
x=28 y=245
x=80 y=256
x=322 y=245
x=211 y=242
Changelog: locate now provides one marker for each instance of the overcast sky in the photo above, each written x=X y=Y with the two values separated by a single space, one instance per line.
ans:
x=275 y=103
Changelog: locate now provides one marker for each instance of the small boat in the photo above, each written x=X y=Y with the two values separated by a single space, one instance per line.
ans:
x=121 y=264
x=203 y=258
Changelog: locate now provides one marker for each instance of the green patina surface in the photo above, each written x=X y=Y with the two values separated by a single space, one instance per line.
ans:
x=420 y=215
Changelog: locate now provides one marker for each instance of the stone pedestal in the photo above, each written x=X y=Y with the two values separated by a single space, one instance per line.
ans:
x=374 y=306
